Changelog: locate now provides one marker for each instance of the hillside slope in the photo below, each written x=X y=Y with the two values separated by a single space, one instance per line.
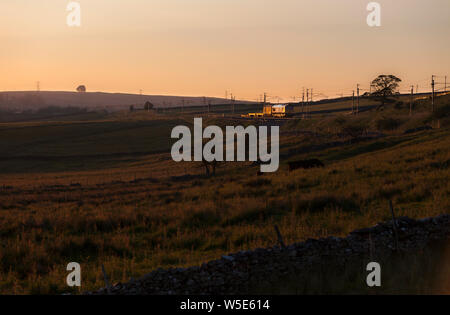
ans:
x=111 y=101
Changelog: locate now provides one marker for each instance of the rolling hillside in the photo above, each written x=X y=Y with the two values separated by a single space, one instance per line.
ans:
x=24 y=100
x=106 y=191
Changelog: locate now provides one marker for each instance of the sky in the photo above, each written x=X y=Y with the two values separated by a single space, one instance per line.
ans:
x=207 y=47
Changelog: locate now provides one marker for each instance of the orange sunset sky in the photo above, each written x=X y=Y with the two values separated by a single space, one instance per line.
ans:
x=204 y=47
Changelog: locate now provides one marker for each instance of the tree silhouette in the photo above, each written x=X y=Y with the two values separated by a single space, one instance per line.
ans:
x=385 y=86
x=148 y=106
x=81 y=89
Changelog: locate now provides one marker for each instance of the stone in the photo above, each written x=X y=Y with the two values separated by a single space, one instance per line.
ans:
x=229 y=258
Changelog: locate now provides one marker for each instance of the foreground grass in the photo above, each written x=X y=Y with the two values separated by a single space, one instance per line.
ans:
x=134 y=226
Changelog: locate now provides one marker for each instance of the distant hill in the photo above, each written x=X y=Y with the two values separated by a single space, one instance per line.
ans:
x=25 y=100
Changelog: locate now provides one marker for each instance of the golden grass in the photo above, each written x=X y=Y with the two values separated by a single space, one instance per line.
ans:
x=142 y=214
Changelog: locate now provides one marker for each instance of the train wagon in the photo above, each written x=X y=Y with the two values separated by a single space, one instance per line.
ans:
x=282 y=110
x=277 y=111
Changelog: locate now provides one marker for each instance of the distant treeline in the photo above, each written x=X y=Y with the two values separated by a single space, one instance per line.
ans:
x=21 y=102
x=34 y=104
x=15 y=115
x=47 y=110
x=61 y=110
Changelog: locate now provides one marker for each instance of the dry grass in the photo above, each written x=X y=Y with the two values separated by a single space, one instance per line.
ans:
x=142 y=213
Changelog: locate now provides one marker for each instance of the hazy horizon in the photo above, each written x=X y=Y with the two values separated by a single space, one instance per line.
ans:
x=200 y=47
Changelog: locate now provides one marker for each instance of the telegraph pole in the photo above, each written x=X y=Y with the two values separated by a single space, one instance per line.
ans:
x=307 y=102
x=303 y=101
x=140 y=99
x=353 y=102
x=445 y=85
x=234 y=99
x=432 y=93
x=411 y=100
x=357 y=103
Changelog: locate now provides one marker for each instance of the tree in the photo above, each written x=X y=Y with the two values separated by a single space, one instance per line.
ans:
x=81 y=89
x=385 y=86
x=207 y=165
x=210 y=166
x=148 y=106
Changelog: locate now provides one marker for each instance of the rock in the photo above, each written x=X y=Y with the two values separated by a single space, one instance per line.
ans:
x=229 y=258
x=190 y=282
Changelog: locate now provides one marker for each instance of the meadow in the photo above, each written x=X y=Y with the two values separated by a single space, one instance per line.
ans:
x=105 y=190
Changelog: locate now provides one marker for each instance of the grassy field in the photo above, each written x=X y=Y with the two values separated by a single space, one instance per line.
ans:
x=107 y=191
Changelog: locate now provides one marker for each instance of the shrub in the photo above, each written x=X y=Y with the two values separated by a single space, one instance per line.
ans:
x=325 y=201
x=340 y=120
x=442 y=112
x=388 y=124
x=353 y=130
x=258 y=182
x=203 y=218
x=399 y=105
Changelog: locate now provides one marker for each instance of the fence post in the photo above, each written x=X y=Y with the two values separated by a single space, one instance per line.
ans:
x=108 y=286
x=280 y=238
x=394 y=223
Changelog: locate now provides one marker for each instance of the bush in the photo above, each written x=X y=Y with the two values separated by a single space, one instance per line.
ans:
x=388 y=124
x=399 y=105
x=324 y=201
x=202 y=218
x=340 y=121
x=442 y=112
x=353 y=130
x=258 y=182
